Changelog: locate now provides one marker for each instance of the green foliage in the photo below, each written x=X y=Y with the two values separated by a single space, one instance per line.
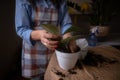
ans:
x=51 y=28
x=72 y=29
x=64 y=43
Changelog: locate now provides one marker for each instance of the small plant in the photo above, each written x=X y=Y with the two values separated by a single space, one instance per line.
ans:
x=64 y=44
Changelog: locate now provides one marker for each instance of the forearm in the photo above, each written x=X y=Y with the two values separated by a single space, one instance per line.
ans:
x=35 y=35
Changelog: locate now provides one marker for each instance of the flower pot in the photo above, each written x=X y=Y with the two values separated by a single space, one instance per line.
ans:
x=102 y=33
x=67 y=61
x=83 y=44
x=102 y=30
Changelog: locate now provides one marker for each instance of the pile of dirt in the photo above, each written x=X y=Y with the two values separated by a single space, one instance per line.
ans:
x=95 y=60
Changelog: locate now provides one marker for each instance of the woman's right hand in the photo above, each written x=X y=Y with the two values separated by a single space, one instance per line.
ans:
x=46 y=38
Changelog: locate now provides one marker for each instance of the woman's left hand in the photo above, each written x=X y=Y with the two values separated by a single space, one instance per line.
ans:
x=72 y=45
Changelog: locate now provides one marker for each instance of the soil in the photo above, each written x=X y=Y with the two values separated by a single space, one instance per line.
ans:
x=92 y=59
x=95 y=60
x=63 y=49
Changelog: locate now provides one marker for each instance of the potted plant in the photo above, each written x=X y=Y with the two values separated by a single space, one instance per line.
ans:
x=67 y=55
x=101 y=13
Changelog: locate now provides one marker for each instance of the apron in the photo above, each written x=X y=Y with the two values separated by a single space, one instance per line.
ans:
x=35 y=58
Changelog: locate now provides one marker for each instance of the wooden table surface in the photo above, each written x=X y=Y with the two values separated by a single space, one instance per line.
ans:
x=101 y=63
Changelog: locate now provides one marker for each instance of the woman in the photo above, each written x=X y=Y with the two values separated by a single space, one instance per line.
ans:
x=29 y=16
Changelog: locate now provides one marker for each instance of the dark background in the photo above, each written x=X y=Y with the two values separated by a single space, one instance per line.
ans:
x=10 y=43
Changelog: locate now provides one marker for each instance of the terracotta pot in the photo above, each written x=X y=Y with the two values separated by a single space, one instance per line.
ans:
x=102 y=33
x=102 y=30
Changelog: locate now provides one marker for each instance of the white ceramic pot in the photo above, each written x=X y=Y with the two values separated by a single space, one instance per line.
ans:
x=83 y=44
x=67 y=61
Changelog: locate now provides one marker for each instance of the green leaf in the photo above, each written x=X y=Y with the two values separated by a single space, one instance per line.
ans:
x=65 y=43
x=67 y=40
x=51 y=28
x=72 y=29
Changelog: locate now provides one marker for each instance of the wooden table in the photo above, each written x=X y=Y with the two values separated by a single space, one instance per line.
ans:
x=101 y=63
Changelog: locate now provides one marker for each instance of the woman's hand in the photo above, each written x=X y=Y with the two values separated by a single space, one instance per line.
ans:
x=66 y=35
x=49 y=40
x=72 y=45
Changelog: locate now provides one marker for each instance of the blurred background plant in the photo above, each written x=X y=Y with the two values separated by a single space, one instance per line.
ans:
x=102 y=11
x=76 y=8
x=97 y=14
x=85 y=8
